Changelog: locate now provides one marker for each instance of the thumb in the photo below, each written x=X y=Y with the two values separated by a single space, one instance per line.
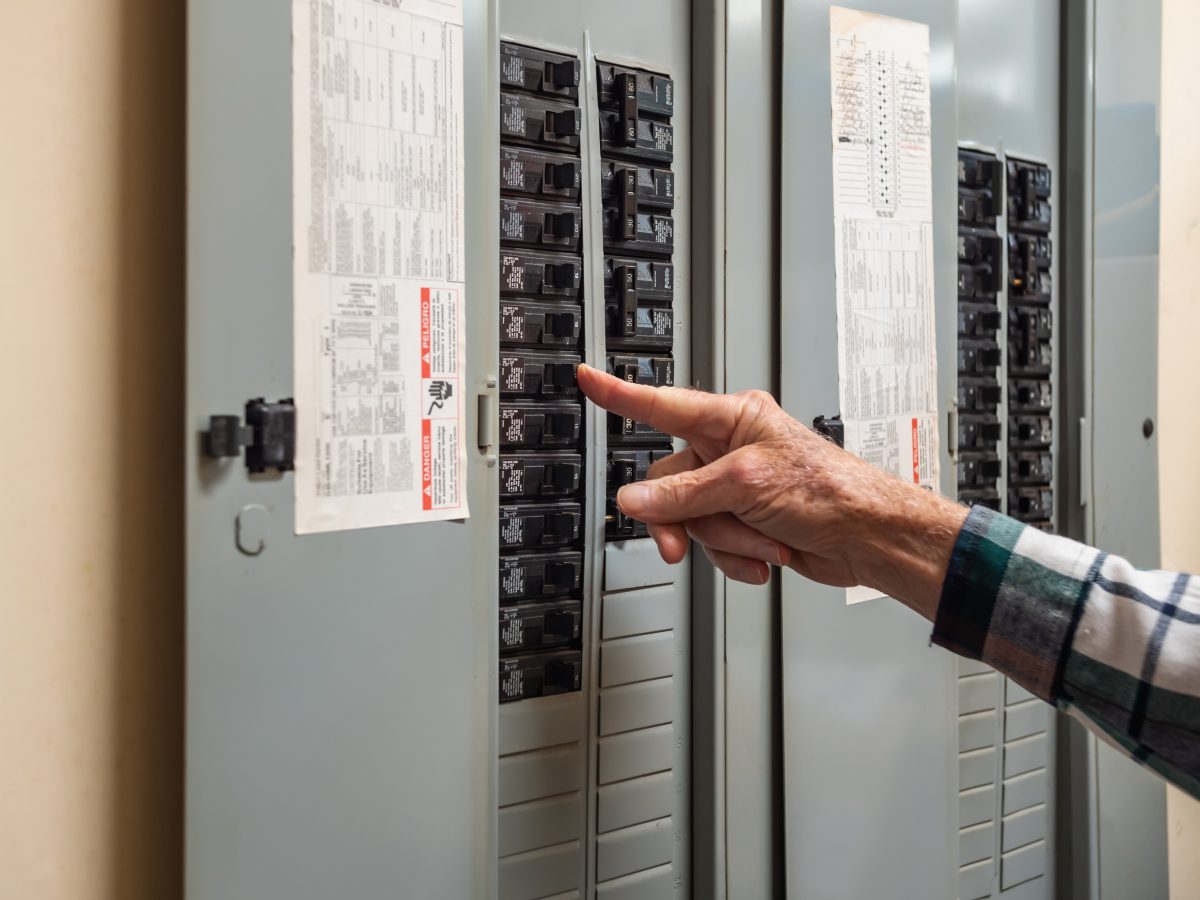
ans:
x=710 y=489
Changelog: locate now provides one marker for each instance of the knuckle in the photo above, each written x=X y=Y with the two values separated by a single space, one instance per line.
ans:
x=758 y=399
x=745 y=468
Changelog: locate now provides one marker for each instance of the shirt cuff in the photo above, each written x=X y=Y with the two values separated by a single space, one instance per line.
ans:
x=977 y=567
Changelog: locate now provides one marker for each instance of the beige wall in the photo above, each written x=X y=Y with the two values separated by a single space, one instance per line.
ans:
x=1179 y=361
x=91 y=278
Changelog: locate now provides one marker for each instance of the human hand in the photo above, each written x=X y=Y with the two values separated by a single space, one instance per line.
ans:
x=755 y=487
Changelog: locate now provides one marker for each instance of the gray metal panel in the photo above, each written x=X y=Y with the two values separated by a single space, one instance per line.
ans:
x=746 y=341
x=633 y=849
x=652 y=884
x=637 y=800
x=528 y=876
x=541 y=773
x=639 y=658
x=320 y=714
x=543 y=722
x=635 y=753
x=892 y=760
x=1008 y=100
x=636 y=564
x=1128 y=803
x=541 y=823
x=634 y=706
x=639 y=612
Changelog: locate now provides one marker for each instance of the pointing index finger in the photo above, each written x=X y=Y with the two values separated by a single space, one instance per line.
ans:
x=677 y=411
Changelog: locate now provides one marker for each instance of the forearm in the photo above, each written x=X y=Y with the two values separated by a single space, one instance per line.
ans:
x=906 y=547
x=1114 y=645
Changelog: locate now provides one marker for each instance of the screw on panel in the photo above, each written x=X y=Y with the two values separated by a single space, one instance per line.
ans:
x=1147 y=428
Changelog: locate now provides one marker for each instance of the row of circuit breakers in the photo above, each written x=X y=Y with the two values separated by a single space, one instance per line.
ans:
x=984 y=183
x=543 y=445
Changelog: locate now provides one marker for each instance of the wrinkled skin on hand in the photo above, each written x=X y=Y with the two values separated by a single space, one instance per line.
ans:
x=756 y=487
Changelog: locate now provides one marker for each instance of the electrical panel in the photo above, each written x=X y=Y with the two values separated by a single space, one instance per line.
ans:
x=591 y=784
x=1005 y=461
x=542 y=434
x=980 y=323
x=1030 y=344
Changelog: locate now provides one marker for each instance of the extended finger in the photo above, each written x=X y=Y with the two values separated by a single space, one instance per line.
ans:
x=739 y=568
x=726 y=533
x=684 y=413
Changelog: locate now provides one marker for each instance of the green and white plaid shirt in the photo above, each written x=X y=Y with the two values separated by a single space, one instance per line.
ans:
x=1114 y=646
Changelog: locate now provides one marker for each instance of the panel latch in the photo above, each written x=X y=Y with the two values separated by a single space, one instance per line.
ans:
x=833 y=429
x=269 y=435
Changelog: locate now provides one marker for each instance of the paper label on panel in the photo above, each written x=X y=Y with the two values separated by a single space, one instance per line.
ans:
x=883 y=244
x=378 y=260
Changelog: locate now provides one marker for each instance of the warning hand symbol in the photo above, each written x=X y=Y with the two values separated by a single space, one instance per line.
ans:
x=439 y=392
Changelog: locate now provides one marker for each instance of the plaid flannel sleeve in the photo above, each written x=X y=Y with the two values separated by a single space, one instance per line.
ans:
x=1115 y=646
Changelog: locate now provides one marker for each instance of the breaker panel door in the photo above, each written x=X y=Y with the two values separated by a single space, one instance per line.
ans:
x=339 y=686
x=869 y=780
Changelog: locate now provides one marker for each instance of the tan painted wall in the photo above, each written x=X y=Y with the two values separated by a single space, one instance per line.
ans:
x=91 y=375
x=1179 y=362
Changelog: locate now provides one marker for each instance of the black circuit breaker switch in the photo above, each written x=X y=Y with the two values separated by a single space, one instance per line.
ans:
x=538 y=71
x=1030 y=395
x=979 y=358
x=978 y=320
x=649 y=326
x=534 y=324
x=532 y=222
x=546 y=123
x=1031 y=467
x=528 y=477
x=539 y=526
x=536 y=575
x=832 y=429
x=538 y=626
x=540 y=674
x=626 y=467
x=1030 y=431
x=978 y=432
x=532 y=374
x=539 y=174
x=978 y=471
x=529 y=425
x=539 y=274
x=635 y=91
x=1031 y=503
x=978 y=395
x=638 y=232
x=651 y=186
x=1029 y=196
x=978 y=170
x=645 y=139
x=655 y=371
x=620 y=527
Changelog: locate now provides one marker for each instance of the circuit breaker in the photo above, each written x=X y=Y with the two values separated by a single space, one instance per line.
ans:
x=1004 y=461
x=1030 y=344
x=980 y=321
x=541 y=424
x=591 y=791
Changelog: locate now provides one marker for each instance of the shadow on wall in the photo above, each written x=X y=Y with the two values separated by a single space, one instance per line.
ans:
x=147 y=816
